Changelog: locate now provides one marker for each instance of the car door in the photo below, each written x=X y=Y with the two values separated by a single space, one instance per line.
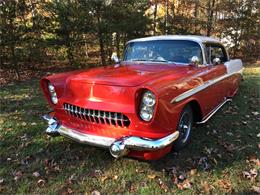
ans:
x=215 y=71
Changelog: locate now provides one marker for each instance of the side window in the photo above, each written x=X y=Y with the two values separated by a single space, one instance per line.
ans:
x=216 y=51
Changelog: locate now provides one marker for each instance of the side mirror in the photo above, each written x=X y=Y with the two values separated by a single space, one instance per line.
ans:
x=216 y=61
x=115 y=58
x=195 y=60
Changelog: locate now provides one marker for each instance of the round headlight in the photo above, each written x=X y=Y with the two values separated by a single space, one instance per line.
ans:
x=53 y=94
x=54 y=99
x=147 y=105
x=51 y=88
x=146 y=113
x=149 y=98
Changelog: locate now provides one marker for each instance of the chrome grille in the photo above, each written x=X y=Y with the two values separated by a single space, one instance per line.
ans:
x=97 y=116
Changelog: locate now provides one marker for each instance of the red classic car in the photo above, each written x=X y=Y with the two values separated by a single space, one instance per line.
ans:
x=147 y=103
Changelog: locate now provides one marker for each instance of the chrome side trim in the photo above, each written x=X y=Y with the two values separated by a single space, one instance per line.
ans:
x=214 y=111
x=202 y=87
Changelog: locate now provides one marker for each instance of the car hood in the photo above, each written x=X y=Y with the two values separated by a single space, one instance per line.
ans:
x=126 y=74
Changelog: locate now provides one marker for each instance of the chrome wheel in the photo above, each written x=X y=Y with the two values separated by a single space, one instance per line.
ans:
x=185 y=127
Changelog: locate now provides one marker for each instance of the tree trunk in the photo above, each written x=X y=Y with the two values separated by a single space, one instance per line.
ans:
x=68 y=44
x=210 y=10
x=173 y=9
x=172 y=18
x=124 y=39
x=196 y=15
x=101 y=41
x=70 y=55
x=12 y=47
x=85 y=45
x=155 y=18
x=196 y=8
x=166 y=16
x=117 y=43
x=14 y=63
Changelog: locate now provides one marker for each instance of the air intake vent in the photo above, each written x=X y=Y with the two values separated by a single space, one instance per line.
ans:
x=97 y=116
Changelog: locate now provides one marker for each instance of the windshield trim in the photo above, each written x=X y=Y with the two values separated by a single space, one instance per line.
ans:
x=199 y=43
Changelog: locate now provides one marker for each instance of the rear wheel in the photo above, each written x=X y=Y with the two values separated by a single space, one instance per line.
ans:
x=184 y=127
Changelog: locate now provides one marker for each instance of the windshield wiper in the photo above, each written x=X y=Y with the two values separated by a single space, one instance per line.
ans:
x=152 y=60
x=135 y=60
x=167 y=61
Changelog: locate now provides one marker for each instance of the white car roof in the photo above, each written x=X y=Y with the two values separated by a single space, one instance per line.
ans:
x=196 y=38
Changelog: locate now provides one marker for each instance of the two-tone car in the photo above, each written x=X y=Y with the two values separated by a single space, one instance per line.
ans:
x=146 y=104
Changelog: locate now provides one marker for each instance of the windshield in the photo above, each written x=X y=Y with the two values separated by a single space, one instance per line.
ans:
x=175 y=51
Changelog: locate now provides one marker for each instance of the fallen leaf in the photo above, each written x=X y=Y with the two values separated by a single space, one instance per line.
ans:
x=172 y=170
x=193 y=171
x=214 y=132
x=229 y=147
x=229 y=133
x=225 y=184
x=255 y=113
x=151 y=176
x=258 y=135
x=203 y=163
x=115 y=177
x=72 y=178
x=131 y=187
x=182 y=177
x=139 y=171
x=256 y=189
x=36 y=174
x=18 y=175
x=255 y=160
x=69 y=190
x=215 y=161
x=24 y=162
x=206 y=186
x=208 y=150
x=104 y=178
x=24 y=124
x=95 y=192
x=95 y=173
x=251 y=174
x=185 y=185
x=41 y=182
x=162 y=185
x=244 y=122
x=1 y=180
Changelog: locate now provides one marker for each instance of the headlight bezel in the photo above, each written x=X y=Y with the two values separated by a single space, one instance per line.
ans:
x=52 y=93
x=147 y=106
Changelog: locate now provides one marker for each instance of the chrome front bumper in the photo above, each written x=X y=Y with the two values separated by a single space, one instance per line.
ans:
x=117 y=147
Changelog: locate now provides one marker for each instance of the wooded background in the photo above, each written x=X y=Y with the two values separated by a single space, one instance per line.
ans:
x=81 y=33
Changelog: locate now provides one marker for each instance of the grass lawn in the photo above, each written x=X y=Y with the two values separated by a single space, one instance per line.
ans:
x=223 y=156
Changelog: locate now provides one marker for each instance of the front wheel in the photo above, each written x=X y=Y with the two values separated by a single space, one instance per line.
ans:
x=184 y=127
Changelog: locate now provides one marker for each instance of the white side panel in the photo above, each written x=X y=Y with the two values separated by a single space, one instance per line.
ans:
x=234 y=66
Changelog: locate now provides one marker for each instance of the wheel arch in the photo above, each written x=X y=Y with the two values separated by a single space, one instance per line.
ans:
x=196 y=110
